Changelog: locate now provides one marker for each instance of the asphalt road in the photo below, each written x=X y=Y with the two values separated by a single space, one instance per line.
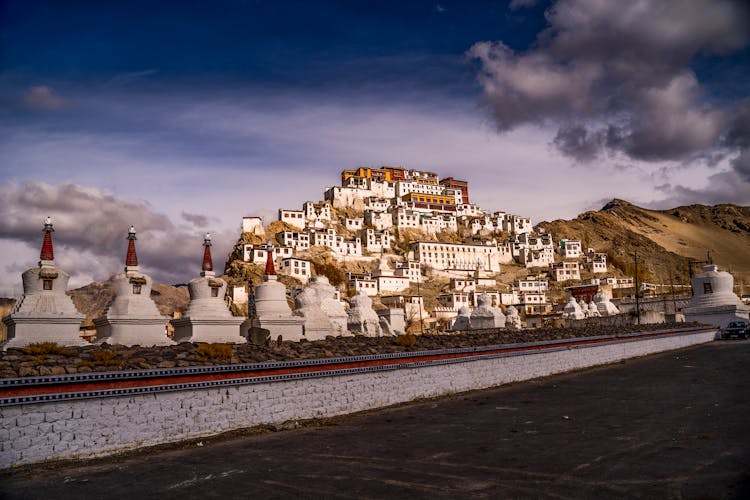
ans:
x=674 y=425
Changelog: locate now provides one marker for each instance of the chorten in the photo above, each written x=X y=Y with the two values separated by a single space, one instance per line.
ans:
x=132 y=318
x=363 y=320
x=44 y=313
x=714 y=301
x=513 y=318
x=317 y=325
x=272 y=310
x=462 y=320
x=331 y=306
x=593 y=310
x=604 y=306
x=572 y=309
x=207 y=318
x=485 y=315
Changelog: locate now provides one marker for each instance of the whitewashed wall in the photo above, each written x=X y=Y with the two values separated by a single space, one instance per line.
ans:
x=95 y=427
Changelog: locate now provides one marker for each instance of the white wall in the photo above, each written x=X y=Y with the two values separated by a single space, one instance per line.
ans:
x=93 y=427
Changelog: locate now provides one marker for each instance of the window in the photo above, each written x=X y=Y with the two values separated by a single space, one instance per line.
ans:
x=214 y=292
x=707 y=288
x=47 y=284
x=136 y=289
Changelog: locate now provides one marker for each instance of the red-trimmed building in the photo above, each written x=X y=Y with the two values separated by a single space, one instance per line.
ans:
x=450 y=182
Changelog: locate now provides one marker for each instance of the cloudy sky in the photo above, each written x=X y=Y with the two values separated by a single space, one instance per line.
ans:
x=181 y=117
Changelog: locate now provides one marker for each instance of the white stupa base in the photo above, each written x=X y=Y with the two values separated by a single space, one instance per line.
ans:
x=63 y=331
x=221 y=330
x=317 y=332
x=481 y=322
x=145 y=332
x=290 y=328
x=718 y=316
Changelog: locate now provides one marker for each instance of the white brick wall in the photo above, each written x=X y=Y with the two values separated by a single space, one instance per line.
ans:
x=84 y=428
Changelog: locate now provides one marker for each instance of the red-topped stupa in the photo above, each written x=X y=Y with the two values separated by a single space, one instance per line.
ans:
x=273 y=311
x=132 y=318
x=45 y=313
x=207 y=318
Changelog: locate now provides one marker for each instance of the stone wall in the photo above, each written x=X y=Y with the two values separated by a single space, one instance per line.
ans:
x=94 y=427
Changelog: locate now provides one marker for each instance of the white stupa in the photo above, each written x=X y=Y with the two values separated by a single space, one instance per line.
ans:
x=604 y=306
x=584 y=307
x=363 y=320
x=512 y=318
x=207 y=318
x=317 y=325
x=273 y=311
x=132 y=318
x=572 y=309
x=714 y=301
x=392 y=321
x=330 y=305
x=593 y=310
x=44 y=313
x=463 y=321
x=485 y=315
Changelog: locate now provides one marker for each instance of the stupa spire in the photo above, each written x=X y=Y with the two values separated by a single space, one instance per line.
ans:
x=208 y=265
x=131 y=259
x=47 y=255
x=270 y=269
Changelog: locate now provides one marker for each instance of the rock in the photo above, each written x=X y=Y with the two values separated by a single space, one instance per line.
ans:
x=57 y=370
x=166 y=364
x=27 y=371
x=259 y=336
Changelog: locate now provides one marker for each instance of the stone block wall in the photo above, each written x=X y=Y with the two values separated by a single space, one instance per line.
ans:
x=38 y=432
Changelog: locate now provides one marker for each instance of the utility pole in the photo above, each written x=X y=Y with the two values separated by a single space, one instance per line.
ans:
x=420 y=302
x=637 y=290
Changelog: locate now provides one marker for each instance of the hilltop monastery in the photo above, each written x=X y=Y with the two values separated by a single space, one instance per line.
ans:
x=374 y=205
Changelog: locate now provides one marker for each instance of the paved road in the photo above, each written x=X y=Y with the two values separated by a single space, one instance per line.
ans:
x=673 y=425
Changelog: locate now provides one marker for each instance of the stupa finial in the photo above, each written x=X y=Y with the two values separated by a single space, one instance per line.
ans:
x=208 y=265
x=131 y=259
x=270 y=269
x=47 y=255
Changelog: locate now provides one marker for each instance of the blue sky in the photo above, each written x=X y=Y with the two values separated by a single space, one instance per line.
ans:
x=185 y=116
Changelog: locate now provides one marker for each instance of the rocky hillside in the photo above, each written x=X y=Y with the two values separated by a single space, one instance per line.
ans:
x=665 y=240
x=94 y=298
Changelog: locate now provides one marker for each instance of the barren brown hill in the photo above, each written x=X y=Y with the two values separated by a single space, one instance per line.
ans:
x=665 y=239
x=94 y=298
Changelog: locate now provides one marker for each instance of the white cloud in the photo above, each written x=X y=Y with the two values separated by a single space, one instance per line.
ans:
x=90 y=238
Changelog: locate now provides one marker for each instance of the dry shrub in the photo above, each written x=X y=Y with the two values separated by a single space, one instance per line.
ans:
x=408 y=340
x=214 y=351
x=41 y=348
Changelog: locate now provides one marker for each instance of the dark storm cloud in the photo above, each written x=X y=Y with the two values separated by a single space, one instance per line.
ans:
x=723 y=187
x=200 y=221
x=616 y=77
x=91 y=227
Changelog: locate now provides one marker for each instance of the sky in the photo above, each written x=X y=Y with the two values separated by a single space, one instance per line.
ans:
x=182 y=117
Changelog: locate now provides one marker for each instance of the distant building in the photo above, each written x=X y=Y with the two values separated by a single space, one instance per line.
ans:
x=570 y=249
x=253 y=225
x=295 y=218
x=297 y=268
x=565 y=271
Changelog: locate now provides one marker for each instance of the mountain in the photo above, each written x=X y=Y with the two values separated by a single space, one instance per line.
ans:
x=665 y=240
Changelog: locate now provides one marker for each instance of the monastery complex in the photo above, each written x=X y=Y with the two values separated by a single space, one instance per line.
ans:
x=365 y=218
